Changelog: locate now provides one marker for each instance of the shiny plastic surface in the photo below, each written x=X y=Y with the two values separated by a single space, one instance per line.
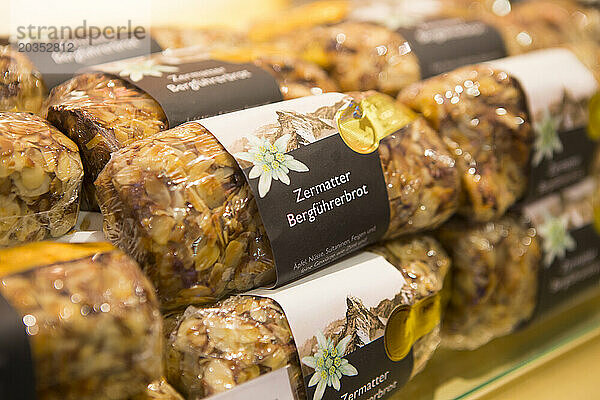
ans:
x=482 y=116
x=214 y=348
x=158 y=390
x=102 y=113
x=179 y=204
x=494 y=280
x=21 y=85
x=357 y=55
x=91 y=317
x=40 y=180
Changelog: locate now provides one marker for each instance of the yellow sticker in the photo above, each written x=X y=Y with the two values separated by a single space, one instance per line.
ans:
x=362 y=125
x=29 y=256
x=407 y=324
x=594 y=122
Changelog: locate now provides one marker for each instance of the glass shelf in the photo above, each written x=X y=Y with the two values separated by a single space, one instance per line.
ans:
x=473 y=374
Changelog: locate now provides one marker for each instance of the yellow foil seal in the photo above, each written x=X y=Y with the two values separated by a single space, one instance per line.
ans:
x=594 y=118
x=29 y=256
x=409 y=323
x=363 y=124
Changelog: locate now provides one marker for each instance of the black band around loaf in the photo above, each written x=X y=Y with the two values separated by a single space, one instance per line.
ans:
x=445 y=44
x=224 y=87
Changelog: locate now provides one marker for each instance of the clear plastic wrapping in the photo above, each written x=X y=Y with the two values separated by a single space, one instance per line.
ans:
x=91 y=318
x=158 y=390
x=215 y=348
x=180 y=204
x=103 y=113
x=21 y=85
x=494 y=280
x=40 y=180
x=357 y=55
x=482 y=116
x=541 y=24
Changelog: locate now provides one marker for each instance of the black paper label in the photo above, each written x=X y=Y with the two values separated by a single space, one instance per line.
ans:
x=17 y=379
x=189 y=91
x=565 y=278
x=59 y=61
x=355 y=340
x=378 y=377
x=564 y=222
x=445 y=44
x=559 y=91
x=338 y=206
x=319 y=200
x=567 y=163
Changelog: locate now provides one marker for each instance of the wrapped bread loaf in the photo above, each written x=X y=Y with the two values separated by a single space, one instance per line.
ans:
x=536 y=24
x=215 y=348
x=494 y=280
x=481 y=114
x=358 y=55
x=102 y=113
x=21 y=85
x=40 y=179
x=90 y=316
x=180 y=204
x=527 y=27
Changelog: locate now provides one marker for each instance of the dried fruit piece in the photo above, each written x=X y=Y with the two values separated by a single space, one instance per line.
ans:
x=494 y=280
x=91 y=317
x=208 y=239
x=21 y=85
x=481 y=114
x=40 y=180
x=214 y=348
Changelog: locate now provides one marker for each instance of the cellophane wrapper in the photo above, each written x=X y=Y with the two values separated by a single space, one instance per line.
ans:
x=181 y=206
x=542 y=24
x=102 y=113
x=357 y=55
x=40 y=180
x=171 y=37
x=494 y=286
x=158 y=390
x=481 y=114
x=214 y=348
x=21 y=84
x=91 y=316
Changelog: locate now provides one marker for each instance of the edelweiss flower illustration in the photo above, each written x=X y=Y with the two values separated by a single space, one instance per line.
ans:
x=136 y=71
x=270 y=162
x=547 y=141
x=328 y=364
x=557 y=239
